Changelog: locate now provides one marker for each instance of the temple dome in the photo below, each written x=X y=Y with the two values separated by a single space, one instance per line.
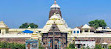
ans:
x=55 y=6
x=76 y=28
x=3 y=25
x=86 y=26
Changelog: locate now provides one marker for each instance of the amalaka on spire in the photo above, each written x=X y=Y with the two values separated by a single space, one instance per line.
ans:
x=55 y=5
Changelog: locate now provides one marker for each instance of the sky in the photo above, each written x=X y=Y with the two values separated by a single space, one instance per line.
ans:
x=75 y=12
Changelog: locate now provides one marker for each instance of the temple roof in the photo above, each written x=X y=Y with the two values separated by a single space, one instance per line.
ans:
x=86 y=26
x=54 y=27
x=62 y=28
x=55 y=6
x=3 y=25
x=104 y=43
x=76 y=28
x=60 y=23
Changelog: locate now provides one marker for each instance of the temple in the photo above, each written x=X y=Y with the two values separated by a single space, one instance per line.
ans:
x=57 y=26
x=56 y=34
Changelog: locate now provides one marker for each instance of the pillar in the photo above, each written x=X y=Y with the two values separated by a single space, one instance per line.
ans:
x=3 y=31
x=60 y=43
x=49 y=43
x=88 y=30
x=83 y=30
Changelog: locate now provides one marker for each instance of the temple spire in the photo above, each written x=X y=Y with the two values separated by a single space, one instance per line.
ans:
x=55 y=8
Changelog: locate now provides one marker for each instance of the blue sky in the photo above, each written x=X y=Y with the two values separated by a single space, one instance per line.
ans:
x=75 y=12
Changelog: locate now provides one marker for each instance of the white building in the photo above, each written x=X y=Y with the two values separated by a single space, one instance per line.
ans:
x=76 y=31
x=85 y=43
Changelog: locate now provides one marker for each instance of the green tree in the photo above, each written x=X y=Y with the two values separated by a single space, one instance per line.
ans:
x=71 y=46
x=26 y=25
x=109 y=47
x=12 y=45
x=98 y=46
x=83 y=48
x=87 y=47
x=32 y=25
x=98 y=23
x=40 y=45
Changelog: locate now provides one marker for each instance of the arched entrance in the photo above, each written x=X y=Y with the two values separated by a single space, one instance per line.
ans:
x=56 y=44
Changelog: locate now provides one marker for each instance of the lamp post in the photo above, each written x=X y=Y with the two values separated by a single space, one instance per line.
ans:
x=53 y=38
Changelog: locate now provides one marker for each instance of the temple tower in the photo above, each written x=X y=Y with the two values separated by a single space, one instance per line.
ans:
x=55 y=8
x=3 y=28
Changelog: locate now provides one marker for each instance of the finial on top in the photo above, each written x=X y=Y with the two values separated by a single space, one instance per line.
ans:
x=54 y=1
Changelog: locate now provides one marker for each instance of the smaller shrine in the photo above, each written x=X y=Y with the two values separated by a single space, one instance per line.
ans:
x=33 y=43
x=3 y=28
x=86 y=28
x=104 y=45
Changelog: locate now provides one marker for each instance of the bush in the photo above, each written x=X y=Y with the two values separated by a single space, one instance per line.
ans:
x=71 y=46
x=98 y=46
x=12 y=45
x=40 y=45
x=109 y=47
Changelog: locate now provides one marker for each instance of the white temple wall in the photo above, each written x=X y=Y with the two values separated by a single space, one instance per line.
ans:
x=20 y=30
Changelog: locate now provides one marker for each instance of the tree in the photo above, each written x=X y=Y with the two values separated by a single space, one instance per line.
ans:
x=26 y=25
x=97 y=23
x=98 y=46
x=71 y=46
x=12 y=45
x=87 y=47
x=83 y=48
x=40 y=45
x=109 y=47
